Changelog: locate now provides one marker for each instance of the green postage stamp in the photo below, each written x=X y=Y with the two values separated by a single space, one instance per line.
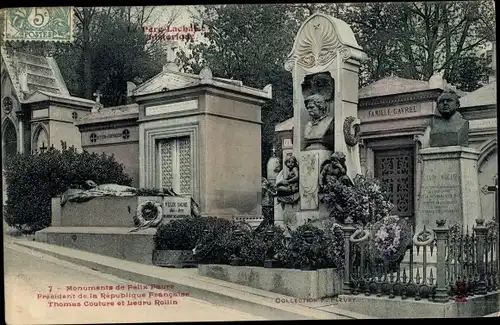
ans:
x=49 y=24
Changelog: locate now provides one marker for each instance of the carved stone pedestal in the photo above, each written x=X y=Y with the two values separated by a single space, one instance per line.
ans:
x=449 y=187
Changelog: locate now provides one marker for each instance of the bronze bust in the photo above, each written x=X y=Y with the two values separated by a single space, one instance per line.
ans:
x=319 y=122
x=450 y=129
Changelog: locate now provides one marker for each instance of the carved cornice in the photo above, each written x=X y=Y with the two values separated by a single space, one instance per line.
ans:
x=426 y=95
x=478 y=112
x=408 y=131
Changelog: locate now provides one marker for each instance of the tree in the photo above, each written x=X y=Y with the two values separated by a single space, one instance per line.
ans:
x=417 y=39
x=249 y=43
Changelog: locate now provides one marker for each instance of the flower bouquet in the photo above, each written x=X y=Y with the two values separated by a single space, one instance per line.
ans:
x=390 y=239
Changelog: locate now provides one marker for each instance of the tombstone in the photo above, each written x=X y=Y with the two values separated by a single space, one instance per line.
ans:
x=324 y=63
x=450 y=185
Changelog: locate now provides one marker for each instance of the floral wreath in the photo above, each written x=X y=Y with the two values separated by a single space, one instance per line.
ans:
x=149 y=212
x=391 y=236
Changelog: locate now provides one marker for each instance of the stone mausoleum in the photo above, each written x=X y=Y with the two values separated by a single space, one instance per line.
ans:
x=38 y=111
x=197 y=134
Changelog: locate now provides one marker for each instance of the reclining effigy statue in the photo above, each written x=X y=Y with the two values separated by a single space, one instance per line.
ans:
x=92 y=190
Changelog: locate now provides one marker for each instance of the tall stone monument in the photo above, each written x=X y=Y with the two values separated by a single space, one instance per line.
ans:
x=450 y=184
x=324 y=63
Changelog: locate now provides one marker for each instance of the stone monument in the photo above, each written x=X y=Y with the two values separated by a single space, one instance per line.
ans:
x=324 y=63
x=450 y=186
x=451 y=129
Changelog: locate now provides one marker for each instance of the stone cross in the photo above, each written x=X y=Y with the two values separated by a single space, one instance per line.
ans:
x=43 y=147
x=171 y=51
x=98 y=95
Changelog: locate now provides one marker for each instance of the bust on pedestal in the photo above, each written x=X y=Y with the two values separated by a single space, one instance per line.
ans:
x=320 y=124
x=450 y=185
x=451 y=129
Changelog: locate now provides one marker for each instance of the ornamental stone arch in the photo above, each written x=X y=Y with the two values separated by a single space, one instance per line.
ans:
x=9 y=138
x=487 y=167
x=486 y=149
x=40 y=137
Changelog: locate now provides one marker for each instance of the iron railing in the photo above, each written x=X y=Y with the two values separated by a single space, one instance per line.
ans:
x=440 y=264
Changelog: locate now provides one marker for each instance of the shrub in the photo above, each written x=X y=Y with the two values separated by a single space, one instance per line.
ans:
x=218 y=243
x=364 y=203
x=182 y=234
x=33 y=179
x=255 y=251
x=215 y=242
x=312 y=252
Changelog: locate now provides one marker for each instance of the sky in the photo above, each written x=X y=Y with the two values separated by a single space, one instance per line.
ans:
x=163 y=14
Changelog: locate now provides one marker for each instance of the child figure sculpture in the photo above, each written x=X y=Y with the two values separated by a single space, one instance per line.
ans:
x=334 y=167
x=287 y=187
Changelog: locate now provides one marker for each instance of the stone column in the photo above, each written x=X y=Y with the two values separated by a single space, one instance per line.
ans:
x=348 y=231
x=481 y=232
x=441 y=237
x=20 y=142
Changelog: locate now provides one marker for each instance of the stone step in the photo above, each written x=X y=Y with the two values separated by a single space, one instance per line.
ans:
x=116 y=242
x=232 y=295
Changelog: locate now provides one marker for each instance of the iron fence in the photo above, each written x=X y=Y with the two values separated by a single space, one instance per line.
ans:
x=440 y=264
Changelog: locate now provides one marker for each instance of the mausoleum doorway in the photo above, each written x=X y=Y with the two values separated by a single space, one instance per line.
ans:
x=175 y=168
x=395 y=169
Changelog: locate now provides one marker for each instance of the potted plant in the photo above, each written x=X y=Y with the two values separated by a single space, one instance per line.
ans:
x=175 y=241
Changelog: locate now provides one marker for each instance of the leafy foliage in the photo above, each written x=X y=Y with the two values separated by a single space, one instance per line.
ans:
x=309 y=248
x=32 y=180
x=182 y=234
x=364 y=203
x=256 y=251
x=215 y=241
x=217 y=244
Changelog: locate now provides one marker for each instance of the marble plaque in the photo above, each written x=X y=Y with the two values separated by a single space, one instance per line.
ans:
x=171 y=108
x=41 y=113
x=176 y=207
x=440 y=192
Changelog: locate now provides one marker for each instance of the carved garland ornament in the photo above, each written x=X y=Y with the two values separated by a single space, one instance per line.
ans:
x=149 y=214
x=350 y=139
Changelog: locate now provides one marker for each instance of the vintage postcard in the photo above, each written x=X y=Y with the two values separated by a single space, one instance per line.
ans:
x=245 y=162
x=49 y=24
